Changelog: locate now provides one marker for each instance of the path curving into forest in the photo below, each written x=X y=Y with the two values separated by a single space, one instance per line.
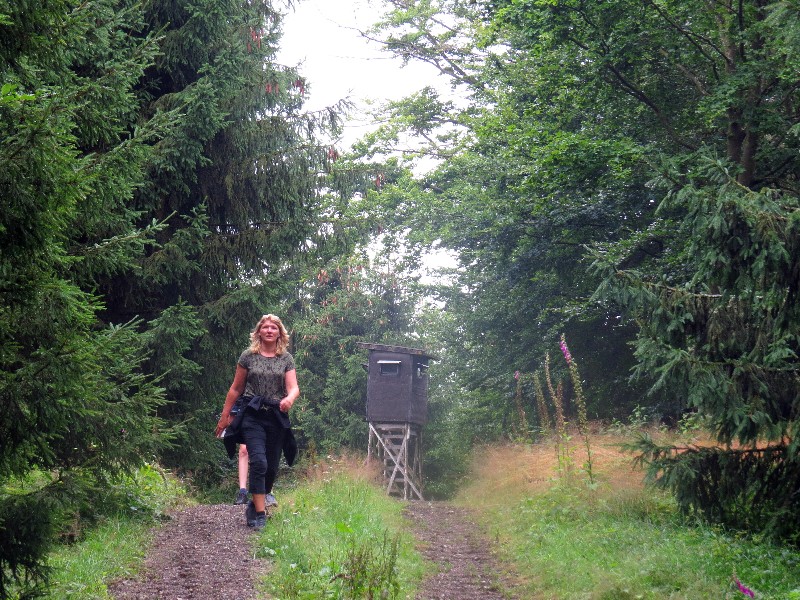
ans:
x=204 y=553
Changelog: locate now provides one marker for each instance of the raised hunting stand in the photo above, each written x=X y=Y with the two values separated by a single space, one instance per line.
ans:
x=397 y=408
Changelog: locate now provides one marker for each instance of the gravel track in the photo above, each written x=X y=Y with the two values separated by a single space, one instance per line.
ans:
x=204 y=553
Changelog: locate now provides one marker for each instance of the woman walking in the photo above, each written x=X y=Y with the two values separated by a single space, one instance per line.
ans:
x=266 y=377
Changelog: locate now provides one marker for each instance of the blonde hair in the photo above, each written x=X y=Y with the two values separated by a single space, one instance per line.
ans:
x=282 y=343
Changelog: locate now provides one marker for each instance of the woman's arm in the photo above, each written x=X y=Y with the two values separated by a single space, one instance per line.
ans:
x=236 y=390
x=292 y=390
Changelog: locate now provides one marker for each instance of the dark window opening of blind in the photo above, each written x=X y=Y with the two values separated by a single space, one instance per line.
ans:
x=389 y=367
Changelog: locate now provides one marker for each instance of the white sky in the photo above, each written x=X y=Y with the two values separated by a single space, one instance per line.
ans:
x=322 y=36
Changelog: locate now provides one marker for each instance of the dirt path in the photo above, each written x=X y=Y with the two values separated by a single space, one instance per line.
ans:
x=204 y=553
x=467 y=568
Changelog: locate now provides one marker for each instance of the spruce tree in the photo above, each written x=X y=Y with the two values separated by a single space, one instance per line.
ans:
x=235 y=186
x=75 y=410
x=724 y=343
x=718 y=318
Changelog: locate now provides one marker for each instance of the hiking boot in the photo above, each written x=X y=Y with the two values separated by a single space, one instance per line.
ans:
x=269 y=500
x=250 y=514
x=241 y=497
x=260 y=522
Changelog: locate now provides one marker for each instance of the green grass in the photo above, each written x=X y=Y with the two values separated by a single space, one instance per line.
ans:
x=622 y=541
x=114 y=548
x=340 y=537
x=608 y=553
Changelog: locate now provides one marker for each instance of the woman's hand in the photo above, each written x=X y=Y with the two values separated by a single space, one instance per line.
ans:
x=223 y=422
x=286 y=404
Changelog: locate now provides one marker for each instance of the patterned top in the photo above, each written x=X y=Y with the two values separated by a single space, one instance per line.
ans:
x=266 y=376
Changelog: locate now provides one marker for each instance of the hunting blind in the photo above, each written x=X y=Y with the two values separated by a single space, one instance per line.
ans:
x=397 y=408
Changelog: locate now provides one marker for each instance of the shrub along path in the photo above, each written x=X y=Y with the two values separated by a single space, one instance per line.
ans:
x=204 y=552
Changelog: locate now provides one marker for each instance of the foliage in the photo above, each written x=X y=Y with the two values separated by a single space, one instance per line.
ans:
x=715 y=309
x=656 y=140
x=345 y=303
x=526 y=179
x=75 y=404
x=354 y=286
x=725 y=341
x=114 y=546
x=234 y=183
x=750 y=489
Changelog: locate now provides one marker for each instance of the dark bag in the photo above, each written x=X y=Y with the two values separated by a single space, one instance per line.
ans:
x=239 y=405
x=232 y=434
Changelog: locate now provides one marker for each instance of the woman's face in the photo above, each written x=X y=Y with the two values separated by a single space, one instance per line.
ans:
x=269 y=332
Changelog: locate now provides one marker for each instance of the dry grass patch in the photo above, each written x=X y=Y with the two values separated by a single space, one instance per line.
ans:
x=515 y=471
x=352 y=465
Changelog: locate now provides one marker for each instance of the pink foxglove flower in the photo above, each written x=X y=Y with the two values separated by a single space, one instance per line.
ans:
x=565 y=350
x=745 y=590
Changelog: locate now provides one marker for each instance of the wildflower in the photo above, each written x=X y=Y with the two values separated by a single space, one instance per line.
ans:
x=580 y=401
x=516 y=375
x=742 y=588
x=564 y=349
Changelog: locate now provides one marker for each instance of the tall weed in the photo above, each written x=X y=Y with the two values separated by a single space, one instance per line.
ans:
x=580 y=402
x=566 y=463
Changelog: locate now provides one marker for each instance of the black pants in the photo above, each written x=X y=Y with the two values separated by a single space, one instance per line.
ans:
x=263 y=436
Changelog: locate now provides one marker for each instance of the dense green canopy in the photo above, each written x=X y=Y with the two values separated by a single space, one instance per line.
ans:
x=76 y=404
x=158 y=176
